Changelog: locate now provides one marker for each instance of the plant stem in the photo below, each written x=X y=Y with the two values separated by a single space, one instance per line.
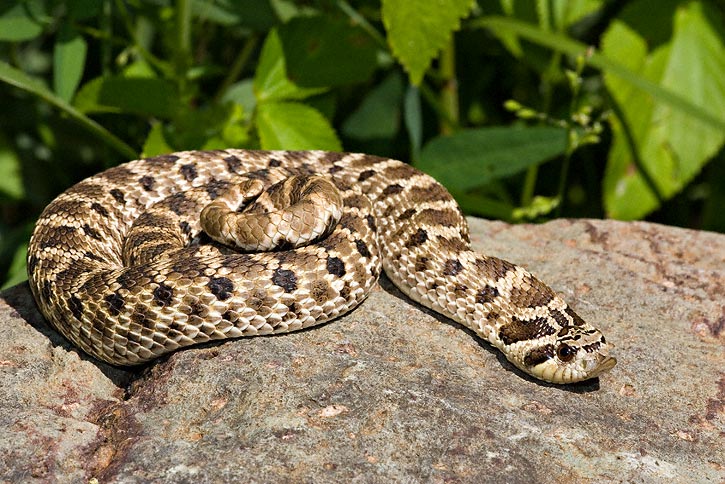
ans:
x=238 y=66
x=449 y=91
x=183 y=42
x=359 y=19
x=564 y=175
x=106 y=26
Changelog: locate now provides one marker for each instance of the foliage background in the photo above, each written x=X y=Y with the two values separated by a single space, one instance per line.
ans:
x=526 y=110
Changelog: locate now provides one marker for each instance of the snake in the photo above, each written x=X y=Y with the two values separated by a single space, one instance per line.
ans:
x=165 y=252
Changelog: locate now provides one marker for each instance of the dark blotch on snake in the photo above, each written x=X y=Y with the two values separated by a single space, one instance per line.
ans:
x=147 y=182
x=521 y=330
x=233 y=163
x=539 y=355
x=421 y=263
x=185 y=228
x=274 y=163
x=115 y=303
x=100 y=209
x=91 y=256
x=285 y=279
x=76 y=307
x=418 y=238
x=335 y=266
x=578 y=321
x=407 y=214
x=486 y=294
x=452 y=267
x=215 y=188
x=362 y=248
x=59 y=235
x=559 y=317
x=163 y=294
x=284 y=244
x=392 y=189
x=221 y=287
x=189 y=172
x=117 y=195
x=371 y=223
x=364 y=175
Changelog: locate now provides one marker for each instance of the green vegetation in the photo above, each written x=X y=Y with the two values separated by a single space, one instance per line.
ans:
x=525 y=110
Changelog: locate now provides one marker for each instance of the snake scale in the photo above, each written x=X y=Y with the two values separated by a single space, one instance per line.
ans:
x=125 y=268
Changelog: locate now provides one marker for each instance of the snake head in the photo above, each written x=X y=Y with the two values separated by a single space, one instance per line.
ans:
x=574 y=354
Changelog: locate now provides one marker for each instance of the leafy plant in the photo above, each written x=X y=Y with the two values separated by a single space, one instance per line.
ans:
x=524 y=110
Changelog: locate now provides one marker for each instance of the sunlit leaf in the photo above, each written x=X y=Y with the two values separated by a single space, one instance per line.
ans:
x=270 y=78
x=294 y=126
x=671 y=144
x=69 y=57
x=418 y=30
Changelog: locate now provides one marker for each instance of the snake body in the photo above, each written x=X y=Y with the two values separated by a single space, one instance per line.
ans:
x=121 y=264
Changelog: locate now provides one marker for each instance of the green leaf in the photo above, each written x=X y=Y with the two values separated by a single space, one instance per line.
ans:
x=566 y=13
x=128 y=95
x=69 y=58
x=241 y=93
x=378 y=116
x=322 y=51
x=672 y=145
x=471 y=158
x=19 y=79
x=11 y=177
x=418 y=30
x=17 y=272
x=155 y=143
x=294 y=126
x=21 y=21
x=270 y=78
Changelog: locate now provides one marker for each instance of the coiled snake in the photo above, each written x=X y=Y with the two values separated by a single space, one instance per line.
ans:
x=124 y=268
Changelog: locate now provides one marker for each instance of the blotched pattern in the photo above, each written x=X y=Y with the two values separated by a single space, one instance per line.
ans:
x=120 y=265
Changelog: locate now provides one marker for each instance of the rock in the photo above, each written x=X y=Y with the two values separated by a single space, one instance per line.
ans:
x=395 y=393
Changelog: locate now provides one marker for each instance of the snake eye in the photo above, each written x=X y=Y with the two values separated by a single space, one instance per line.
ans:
x=565 y=353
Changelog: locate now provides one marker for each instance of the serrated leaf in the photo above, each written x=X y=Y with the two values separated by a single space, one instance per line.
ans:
x=128 y=95
x=21 y=21
x=672 y=144
x=471 y=158
x=321 y=51
x=418 y=30
x=294 y=126
x=270 y=78
x=69 y=58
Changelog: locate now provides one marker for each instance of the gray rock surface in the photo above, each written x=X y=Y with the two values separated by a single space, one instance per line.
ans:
x=394 y=393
